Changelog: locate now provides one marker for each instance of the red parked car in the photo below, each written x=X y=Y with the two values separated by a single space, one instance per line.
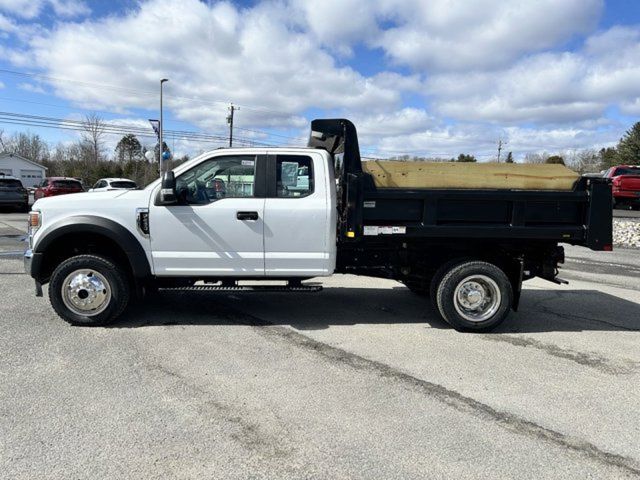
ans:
x=57 y=186
x=625 y=181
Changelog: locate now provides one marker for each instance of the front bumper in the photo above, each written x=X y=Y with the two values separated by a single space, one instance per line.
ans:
x=32 y=261
x=27 y=259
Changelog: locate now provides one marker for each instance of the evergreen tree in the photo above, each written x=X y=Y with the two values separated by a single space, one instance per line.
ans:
x=463 y=157
x=509 y=158
x=128 y=149
x=629 y=146
x=608 y=157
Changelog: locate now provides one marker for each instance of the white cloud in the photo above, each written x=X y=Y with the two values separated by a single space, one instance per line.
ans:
x=454 y=35
x=31 y=87
x=30 y=9
x=210 y=54
x=7 y=25
x=482 y=140
x=548 y=87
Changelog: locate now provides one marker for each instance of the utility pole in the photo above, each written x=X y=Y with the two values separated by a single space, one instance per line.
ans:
x=161 y=127
x=500 y=145
x=232 y=109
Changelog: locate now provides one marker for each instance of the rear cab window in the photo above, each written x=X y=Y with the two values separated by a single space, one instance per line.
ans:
x=294 y=176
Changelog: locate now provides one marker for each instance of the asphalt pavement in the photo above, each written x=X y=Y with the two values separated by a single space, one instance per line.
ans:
x=362 y=380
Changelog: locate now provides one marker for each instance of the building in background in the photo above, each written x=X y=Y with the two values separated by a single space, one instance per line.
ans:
x=29 y=172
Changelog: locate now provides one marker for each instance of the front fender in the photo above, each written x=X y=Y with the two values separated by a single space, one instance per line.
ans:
x=79 y=224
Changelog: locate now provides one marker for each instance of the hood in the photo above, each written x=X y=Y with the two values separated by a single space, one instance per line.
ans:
x=88 y=200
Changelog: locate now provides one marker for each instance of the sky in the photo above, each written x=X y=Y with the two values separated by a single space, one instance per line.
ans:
x=422 y=78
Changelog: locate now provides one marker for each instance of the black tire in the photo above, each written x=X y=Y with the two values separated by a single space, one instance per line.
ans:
x=25 y=208
x=438 y=276
x=116 y=280
x=491 y=279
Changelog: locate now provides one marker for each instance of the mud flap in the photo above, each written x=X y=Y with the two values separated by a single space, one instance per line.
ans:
x=516 y=283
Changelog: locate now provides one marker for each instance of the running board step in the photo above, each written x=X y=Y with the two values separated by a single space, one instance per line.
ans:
x=244 y=288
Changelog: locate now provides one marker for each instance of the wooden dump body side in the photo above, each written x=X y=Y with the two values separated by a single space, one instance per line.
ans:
x=470 y=176
x=581 y=216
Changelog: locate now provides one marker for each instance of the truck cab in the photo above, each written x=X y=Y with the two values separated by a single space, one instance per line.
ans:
x=247 y=213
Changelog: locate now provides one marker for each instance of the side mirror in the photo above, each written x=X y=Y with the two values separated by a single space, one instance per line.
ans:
x=168 y=189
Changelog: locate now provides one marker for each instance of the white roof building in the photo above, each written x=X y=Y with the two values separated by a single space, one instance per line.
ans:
x=29 y=172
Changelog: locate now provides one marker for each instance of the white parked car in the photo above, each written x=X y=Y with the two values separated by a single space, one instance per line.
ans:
x=105 y=184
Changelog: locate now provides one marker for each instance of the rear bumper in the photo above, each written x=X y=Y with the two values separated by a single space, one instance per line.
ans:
x=626 y=195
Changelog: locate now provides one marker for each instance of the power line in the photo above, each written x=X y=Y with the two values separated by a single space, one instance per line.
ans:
x=173 y=120
x=116 y=128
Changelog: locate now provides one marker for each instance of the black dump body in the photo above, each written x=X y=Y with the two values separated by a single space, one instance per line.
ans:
x=579 y=217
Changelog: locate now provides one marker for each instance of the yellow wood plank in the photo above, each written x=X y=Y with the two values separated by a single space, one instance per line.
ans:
x=457 y=175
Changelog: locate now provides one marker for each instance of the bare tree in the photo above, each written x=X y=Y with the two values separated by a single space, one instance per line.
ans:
x=28 y=145
x=585 y=161
x=94 y=127
x=536 y=157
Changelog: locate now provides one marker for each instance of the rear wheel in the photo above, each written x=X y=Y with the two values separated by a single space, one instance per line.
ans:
x=474 y=296
x=438 y=276
x=89 y=290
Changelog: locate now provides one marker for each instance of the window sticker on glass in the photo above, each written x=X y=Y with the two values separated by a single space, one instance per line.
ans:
x=248 y=163
x=289 y=174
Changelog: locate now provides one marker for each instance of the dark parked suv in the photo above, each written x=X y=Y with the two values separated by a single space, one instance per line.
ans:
x=13 y=194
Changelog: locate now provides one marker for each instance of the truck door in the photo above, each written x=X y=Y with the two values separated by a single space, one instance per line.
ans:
x=218 y=227
x=300 y=218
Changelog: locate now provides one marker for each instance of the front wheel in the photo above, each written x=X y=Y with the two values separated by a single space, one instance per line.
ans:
x=474 y=296
x=89 y=290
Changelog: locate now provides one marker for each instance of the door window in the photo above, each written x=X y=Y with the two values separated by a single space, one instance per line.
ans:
x=294 y=176
x=218 y=178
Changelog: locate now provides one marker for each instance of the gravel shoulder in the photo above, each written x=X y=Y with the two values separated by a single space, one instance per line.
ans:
x=626 y=233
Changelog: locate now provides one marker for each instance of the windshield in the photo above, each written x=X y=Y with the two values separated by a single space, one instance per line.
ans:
x=10 y=183
x=67 y=184
x=123 y=184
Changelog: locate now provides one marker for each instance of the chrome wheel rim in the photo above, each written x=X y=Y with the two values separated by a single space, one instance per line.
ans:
x=477 y=298
x=86 y=292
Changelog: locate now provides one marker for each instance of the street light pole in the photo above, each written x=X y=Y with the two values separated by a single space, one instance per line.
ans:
x=161 y=128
